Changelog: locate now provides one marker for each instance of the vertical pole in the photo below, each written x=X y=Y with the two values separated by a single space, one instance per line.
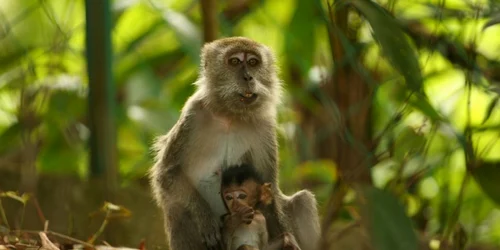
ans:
x=101 y=112
x=210 y=24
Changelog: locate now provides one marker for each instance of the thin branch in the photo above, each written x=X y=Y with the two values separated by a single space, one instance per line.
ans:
x=62 y=236
x=346 y=229
x=3 y=217
x=38 y=210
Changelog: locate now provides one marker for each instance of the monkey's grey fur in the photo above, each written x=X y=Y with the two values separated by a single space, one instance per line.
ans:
x=218 y=128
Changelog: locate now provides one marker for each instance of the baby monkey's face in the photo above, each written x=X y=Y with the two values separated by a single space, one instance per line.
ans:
x=248 y=194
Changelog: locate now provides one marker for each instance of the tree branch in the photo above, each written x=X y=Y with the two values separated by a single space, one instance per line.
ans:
x=210 y=24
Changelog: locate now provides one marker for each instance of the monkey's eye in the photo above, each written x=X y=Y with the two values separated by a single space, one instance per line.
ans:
x=253 y=62
x=242 y=196
x=234 y=61
x=228 y=197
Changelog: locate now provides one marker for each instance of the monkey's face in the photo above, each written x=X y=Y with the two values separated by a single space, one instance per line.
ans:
x=241 y=74
x=236 y=196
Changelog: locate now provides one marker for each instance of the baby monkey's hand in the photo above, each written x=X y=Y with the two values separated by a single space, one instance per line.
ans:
x=245 y=214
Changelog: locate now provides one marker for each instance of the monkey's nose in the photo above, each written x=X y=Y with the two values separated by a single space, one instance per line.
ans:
x=247 y=77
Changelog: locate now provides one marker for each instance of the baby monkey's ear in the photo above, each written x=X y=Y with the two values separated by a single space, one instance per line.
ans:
x=266 y=196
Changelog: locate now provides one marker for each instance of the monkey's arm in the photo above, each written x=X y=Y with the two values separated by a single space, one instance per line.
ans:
x=235 y=219
x=175 y=192
x=260 y=221
x=230 y=225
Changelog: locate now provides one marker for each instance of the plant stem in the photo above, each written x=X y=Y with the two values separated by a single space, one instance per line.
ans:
x=2 y=213
x=101 y=229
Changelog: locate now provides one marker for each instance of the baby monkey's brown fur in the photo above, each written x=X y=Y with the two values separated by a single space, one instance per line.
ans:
x=245 y=226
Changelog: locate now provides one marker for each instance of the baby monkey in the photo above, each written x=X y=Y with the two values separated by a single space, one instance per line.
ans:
x=244 y=195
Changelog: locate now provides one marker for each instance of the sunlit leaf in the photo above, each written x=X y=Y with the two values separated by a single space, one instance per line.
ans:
x=493 y=21
x=187 y=33
x=112 y=211
x=14 y=195
x=487 y=174
x=421 y=103
x=412 y=203
x=491 y=107
x=323 y=171
x=388 y=224
x=393 y=42
x=143 y=36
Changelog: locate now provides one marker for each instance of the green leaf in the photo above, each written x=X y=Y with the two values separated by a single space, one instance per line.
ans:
x=490 y=109
x=15 y=196
x=487 y=175
x=66 y=105
x=321 y=171
x=186 y=31
x=60 y=155
x=299 y=32
x=132 y=45
x=388 y=224
x=408 y=142
x=394 y=44
x=11 y=59
x=131 y=63
x=421 y=103
x=494 y=20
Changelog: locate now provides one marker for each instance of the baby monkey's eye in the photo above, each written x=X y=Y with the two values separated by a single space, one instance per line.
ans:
x=228 y=197
x=253 y=62
x=242 y=196
x=234 y=61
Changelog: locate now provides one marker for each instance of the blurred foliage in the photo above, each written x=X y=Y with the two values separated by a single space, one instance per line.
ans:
x=435 y=112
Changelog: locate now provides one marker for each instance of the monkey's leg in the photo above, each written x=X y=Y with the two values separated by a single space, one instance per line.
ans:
x=246 y=247
x=181 y=230
x=188 y=218
x=277 y=221
x=302 y=210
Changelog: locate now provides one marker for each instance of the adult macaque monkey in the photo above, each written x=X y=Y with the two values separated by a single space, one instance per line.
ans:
x=245 y=196
x=229 y=120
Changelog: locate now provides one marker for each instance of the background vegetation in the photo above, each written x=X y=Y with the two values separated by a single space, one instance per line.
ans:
x=390 y=115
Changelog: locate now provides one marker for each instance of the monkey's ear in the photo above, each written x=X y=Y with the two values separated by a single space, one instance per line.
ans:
x=266 y=196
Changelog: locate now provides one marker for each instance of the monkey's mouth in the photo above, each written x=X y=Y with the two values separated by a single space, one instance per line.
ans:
x=248 y=98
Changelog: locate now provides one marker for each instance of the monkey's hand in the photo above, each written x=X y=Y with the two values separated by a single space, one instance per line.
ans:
x=210 y=231
x=289 y=242
x=239 y=216
x=246 y=214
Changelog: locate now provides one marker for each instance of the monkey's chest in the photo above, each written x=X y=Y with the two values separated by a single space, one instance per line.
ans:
x=216 y=152
x=246 y=235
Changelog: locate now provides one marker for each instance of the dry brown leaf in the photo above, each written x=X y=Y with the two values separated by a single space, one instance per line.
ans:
x=46 y=243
